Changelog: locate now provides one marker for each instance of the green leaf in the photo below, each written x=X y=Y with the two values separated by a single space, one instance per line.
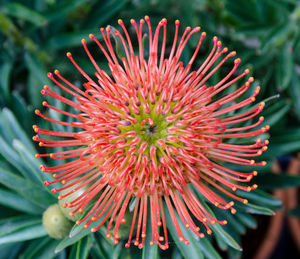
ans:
x=33 y=167
x=37 y=68
x=63 y=9
x=83 y=247
x=275 y=113
x=5 y=71
x=208 y=249
x=69 y=40
x=294 y=91
x=255 y=209
x=108 y=9
x=9 y=225
x=13 y=158
x=284 y=68
x=28 y=233
x=40 y=249
x=71 y=240
x=17 y=130
x=246 y=219
x=188 y=251
x=24 y=13
x=31 y=191
x=219 y=230
x=19 y=203
x=272 y=181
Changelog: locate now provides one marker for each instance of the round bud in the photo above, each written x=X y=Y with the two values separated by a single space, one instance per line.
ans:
x=55 y=223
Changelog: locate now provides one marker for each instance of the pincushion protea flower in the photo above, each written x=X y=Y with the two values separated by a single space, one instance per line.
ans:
x=150 y=131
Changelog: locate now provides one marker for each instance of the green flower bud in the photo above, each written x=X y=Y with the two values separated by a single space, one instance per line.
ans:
x=55 y=223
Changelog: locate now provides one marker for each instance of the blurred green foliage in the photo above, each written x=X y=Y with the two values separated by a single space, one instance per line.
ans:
x=34 y=37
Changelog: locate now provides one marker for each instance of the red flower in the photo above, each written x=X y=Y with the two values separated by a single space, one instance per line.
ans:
x=150 y=131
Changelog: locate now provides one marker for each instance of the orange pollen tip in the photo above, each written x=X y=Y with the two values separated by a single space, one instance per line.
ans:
x=219 y=43
x=51 y=156
x=91 y=36
x=202 y=235
x=233 y=211
x=159 y=223
x=147 y=18
x=142 y=21
x=151 y=243
x=37 y=112
x=177 y=22
x=237 y=61
x=63 y=182
x=80 y=210
x=136 y=243
x=181 y=239
x=233 y=188
x=120 y=21
x=164 y=20
x=245 y=201
x=187 y=225
x=263 y=163
x=161 y=239
x=204 y=219
x=65 y=205
x=83 y=41
x=108 y=236
x=225 y=50
x=132 y=21
x=233 y=53
x=251 y=79
x=247 y=71
x=77 y=222
x=213 y=222
x=93 y=229
x=69 y=205
x=198 y=28
x=107 y=29
x=44 y=103
x=216 y=204
x=69 y=54
x=86 y=226
x=143 y=235
x=248 y=189
x=54 y=175
x=71 y=213
x=93 y=219
x=46 y=87
x=203 y=34
x=117 y=236
x=215 y=38
x=116 y=242
x=36 y=155
x=123 y=221
x=209 y=232
x=56 y=71
x=224 y=222
x=187 y=242
x=252 y=162
x=59 y=197
x=188 y=28
x=254 y=173
x=197 y=229
x=254 y=186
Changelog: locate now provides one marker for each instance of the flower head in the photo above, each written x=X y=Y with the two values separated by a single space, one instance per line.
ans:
x=153 y=132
